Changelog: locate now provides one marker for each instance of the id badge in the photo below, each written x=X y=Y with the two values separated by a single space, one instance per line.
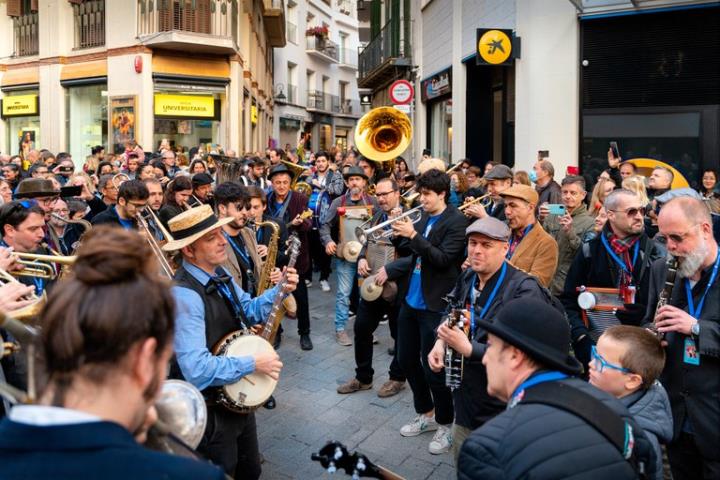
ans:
x=418 y=264
x=690 y=353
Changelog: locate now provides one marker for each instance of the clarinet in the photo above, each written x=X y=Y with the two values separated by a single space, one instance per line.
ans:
x=666 y=292
x=453 y=360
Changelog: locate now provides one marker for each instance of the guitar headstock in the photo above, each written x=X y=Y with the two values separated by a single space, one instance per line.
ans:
x=335 y=456
x=306 y=214
x=293 y=245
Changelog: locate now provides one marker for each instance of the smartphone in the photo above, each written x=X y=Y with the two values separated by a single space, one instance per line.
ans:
x=615 y=151
x=543 y=153
x=556 y=208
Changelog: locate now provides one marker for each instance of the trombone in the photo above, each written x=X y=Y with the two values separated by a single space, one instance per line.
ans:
x=165 y=267
x=379 y=232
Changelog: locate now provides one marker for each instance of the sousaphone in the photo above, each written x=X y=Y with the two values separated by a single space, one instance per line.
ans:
x=383 y=133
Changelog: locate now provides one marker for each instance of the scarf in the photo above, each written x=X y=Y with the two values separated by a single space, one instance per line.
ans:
x=622 y=247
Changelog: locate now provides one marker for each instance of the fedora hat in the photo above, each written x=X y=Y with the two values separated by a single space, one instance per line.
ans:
x=278 y=169
x=354 y=171
x=36 y=187
x=544 y=336
x=192 y=224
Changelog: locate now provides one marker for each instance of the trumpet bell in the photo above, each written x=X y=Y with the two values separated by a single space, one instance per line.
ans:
x=383 y=133
x=28 y=312
x=304 y=188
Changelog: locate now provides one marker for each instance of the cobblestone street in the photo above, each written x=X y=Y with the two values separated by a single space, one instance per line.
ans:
x=310 y=412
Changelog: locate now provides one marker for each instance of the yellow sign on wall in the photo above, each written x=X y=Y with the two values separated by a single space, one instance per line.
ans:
x=494 y=46
x=167 y=105
x=20 y=105
x=253 y=114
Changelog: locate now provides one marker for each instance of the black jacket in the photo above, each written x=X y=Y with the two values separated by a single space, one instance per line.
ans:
x=473 y=405
x=442 y=254
x=543 y=442
x=110 y=217
x=694 y=390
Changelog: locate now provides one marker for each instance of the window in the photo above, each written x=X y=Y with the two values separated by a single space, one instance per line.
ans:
x=87 y=123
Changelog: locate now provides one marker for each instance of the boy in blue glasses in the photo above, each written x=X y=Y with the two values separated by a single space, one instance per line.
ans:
x=626 y=363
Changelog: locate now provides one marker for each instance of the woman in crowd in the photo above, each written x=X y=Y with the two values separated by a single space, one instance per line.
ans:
x=636 y=184
x=401 y=168
x=521 y=177
x=708 y=189
x=198 y=166
x=458 y=187
x=602 y=189
x=5 y=192
x=177 y=194
x=161 y=172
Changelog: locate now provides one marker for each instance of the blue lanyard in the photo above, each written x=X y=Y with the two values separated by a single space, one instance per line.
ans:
x=224 y=290
x=537 y=379
x=239 y=250
x=619 y=260
x=511 y=251
x=489 y=301
x=695 y=312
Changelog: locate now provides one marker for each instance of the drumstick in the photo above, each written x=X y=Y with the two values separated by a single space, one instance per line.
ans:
x=251 y=382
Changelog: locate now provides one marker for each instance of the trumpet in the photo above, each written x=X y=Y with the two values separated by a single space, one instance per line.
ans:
x=473 y=202
x=378 y=232
x=40 y=266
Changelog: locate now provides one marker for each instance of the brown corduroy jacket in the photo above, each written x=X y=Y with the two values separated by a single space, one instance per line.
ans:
x=537 y=255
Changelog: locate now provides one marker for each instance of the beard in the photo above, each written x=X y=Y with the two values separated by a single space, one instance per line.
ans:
x=355 y=191
x=691 y=263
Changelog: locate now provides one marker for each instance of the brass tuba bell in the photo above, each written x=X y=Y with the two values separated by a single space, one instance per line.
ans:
x=383 y=133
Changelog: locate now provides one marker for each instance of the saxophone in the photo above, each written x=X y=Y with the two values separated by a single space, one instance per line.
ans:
x=666 y=292
x=453 y=360
x=264 y=280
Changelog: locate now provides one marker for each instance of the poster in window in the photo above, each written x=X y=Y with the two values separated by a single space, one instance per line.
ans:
x=184 y=127
x=27 y=142
x=123 y=118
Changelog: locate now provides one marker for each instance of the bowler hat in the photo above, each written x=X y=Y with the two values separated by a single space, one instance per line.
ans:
x=354 y=172
x=523 y=192
x=544 y=336
x=278 y=169
x=36 y=187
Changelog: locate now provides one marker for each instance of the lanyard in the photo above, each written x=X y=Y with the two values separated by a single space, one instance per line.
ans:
x=278 y=210
x=489 y=301
x=695 y=312
x=617 y=259
x=224 y=289
x=239 y=250
x=511 y=250
x=537 y=379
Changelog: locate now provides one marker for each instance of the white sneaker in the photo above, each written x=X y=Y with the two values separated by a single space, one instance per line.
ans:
x=442 y=441
x=324 y=285
x=308 y=283
x=420 y=424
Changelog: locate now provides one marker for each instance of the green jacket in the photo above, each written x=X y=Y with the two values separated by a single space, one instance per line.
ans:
x=568 y=242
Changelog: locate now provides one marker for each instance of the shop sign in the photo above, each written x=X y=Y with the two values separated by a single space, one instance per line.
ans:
x=496 y=47
x=19 y=105
x=438 y=85
x=198 y=106
x=253 y=114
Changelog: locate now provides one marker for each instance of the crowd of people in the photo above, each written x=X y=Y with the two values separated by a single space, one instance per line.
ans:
x=586 y=312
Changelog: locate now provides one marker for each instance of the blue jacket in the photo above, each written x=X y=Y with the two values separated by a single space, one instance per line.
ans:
x=96 y=450
x=651 y=410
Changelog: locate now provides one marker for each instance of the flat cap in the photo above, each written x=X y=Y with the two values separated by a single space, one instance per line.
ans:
x=490 y=227
x=523 y=192
x=499 y=172
x=201 y=178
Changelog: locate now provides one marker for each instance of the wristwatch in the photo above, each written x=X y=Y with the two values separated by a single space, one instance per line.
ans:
x=695 y=329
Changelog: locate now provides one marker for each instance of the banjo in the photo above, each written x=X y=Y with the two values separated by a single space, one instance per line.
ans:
x=251 y=391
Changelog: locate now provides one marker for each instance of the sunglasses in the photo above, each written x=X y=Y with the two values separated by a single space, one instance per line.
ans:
x=631 y=212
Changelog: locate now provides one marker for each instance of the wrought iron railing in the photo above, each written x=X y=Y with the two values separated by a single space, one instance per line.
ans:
x=322 y=45
x=323 y=101
x=389 y=43
x=89 y=23
x=26 y=28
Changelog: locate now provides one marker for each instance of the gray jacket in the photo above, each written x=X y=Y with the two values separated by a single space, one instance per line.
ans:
x=651 y=410
x=568 y=242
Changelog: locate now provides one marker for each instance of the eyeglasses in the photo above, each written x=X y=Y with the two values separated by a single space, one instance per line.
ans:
x=631 y=212
x=676 y=237
x=382 y=194
x=601 y=364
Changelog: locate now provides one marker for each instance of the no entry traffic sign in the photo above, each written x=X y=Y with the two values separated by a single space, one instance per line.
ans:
x=401 y=92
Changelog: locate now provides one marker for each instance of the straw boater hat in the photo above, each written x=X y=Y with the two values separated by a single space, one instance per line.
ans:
x=192 y=224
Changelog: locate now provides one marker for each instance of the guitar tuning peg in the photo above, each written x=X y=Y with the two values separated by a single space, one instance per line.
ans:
x=331 y=467
x=338 y=453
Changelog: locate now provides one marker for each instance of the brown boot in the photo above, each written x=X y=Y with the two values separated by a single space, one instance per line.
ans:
x=342 y=338
x=353 y=386
x=390 y=388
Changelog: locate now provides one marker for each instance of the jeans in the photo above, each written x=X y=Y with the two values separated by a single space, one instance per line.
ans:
x=369 y=315
x=416 y=337
x=346 y=275
x=230 y=442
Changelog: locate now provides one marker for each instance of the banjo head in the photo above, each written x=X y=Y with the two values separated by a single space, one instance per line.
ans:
x=251 y=391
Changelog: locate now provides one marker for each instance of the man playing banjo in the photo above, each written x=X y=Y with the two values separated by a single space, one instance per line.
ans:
x=209 y=306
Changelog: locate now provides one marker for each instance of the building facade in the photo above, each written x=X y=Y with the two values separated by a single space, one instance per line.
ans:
x=316 y=92
x=79 y=73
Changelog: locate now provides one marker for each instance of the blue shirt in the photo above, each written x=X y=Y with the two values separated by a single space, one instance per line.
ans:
x=126 y=224
x=198 y=365
x=415 y=297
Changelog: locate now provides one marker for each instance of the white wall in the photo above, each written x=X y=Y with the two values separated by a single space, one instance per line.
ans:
x=547 y=96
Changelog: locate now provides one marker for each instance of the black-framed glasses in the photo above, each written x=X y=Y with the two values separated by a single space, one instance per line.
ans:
x=383 y=194
x=633 y=211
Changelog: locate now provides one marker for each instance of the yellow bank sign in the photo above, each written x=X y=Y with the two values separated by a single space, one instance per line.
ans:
x=20 y=105
x=167 y=105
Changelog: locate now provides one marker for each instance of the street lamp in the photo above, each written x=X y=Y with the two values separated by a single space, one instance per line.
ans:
x=280 y=96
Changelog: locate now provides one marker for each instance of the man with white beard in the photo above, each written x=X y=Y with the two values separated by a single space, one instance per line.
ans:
x=690 y=322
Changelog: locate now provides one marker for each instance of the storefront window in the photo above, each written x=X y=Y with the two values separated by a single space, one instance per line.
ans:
x=673 y=138
x=86 y=119
x=325 y=132
x=441 y=129
x=185 y=131
x=23 y=131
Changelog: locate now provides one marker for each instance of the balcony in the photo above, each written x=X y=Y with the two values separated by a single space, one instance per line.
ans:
x=317 y=100
x=274 y=19
x=291 y=30
x=379 y=59
x=348 y=59
x=25 y=29
x=198 y=26
x=350 y=107
x=321 y=48
x=347 y=7
x=89 y=19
